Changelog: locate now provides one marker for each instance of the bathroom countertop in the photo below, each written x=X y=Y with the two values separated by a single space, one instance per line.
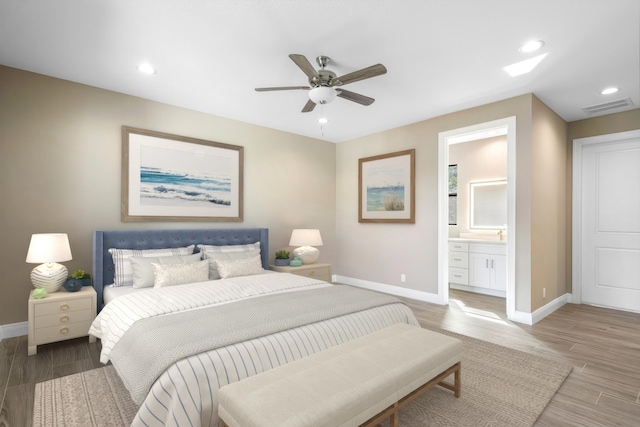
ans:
x=492 y=242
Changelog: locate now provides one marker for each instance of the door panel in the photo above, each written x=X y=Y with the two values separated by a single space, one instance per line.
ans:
x=610 y=218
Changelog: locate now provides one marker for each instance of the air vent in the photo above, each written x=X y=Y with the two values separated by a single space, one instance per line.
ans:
x=608 y=107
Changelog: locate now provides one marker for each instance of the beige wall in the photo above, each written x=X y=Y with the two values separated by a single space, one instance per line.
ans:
x=602 y=125
x=60 y=172
x=481 y=160
x=381 y=252
x=548 y=205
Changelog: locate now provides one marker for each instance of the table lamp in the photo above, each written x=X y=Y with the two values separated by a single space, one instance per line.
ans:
x=306 y=238
x=49 y=249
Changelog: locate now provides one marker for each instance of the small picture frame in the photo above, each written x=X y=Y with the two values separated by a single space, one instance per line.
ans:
x=386 y=188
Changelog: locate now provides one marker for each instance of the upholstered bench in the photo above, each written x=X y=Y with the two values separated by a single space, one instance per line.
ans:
x=360 y=382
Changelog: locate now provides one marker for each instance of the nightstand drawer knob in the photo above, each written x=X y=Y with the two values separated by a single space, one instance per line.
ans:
x=64 y=330
x=64 y=307
x=64 y=319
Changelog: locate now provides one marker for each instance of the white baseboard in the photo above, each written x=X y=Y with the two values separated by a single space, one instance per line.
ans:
x=519 y=317
x=388 y=289
x=14 y=330
x=542 y=312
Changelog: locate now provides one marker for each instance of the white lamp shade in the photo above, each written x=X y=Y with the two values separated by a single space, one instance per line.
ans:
x=305 y=237
x=322 y=94
x=49 y=247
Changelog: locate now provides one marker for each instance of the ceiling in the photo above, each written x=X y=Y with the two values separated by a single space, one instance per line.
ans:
x=442 y=55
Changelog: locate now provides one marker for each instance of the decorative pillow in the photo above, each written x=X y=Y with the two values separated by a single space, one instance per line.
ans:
x=230 y=248
x=225 y=256
x=143 y=270
x=239 y=267
x=179 y=274
x=123 y=275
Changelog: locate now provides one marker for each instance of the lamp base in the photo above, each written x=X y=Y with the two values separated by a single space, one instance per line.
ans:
x=306 y=254
x=49 y=276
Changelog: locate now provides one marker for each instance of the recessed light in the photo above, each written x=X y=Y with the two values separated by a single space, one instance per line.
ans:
x=146 y=69
x=523 y=67
x=531 y=46
x=609 y=90
x=323 y=120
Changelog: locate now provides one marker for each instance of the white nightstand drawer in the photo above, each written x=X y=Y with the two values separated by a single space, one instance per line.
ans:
x=459 y=259
x=459 y=276
x=62 y=306
x=315 y=271
x=321 y=273
x=61 y=319
x=61 y=332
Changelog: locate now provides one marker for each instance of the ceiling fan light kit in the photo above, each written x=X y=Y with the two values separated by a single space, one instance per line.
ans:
x=322 y=82
x=322 y=94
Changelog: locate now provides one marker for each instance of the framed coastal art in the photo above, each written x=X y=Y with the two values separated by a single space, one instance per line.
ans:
x=386 y=188
x=175 y=178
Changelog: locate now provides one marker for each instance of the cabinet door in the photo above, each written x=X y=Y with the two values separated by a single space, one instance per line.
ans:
x=499 y=272
x=479 y=270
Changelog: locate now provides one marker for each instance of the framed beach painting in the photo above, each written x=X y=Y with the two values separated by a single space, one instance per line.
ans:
x=175 y=178
x=386 y=188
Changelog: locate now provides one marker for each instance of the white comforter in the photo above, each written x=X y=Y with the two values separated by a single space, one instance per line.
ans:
x=186 y=394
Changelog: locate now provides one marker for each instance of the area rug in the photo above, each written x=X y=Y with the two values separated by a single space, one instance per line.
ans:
x=500 y=387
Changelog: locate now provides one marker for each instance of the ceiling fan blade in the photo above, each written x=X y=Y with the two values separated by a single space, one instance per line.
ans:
x=365 y=73
x=355 y=97
x=267 y=89
x=304 y=64
x=309 y=106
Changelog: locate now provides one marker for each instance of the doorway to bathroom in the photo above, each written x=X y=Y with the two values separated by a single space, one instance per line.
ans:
x=476 y=250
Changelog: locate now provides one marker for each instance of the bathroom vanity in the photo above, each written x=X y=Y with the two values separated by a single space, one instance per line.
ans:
x=478 y=266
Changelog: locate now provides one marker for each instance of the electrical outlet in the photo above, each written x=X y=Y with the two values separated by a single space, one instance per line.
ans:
x=544 y=292
x=403 y=278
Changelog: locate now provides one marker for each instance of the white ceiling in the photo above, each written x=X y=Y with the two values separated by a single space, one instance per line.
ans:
x=442 y=55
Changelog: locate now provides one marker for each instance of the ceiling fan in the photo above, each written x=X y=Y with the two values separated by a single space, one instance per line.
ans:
x=325 y=86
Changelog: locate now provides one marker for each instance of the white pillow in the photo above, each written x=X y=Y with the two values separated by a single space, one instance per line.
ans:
x=143 y=270
x=123 y=275
x=225 y=256
x=230 y=248
x=179 y=274
x=239 y=267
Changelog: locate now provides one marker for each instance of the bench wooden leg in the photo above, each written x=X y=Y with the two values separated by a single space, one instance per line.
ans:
x=394 y=418
x=392 y=411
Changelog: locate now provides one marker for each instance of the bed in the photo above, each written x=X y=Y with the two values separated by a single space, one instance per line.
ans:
x=214 y=332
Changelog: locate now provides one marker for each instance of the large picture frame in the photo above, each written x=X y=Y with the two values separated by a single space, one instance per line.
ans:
x=176 y=178
x=386 y=188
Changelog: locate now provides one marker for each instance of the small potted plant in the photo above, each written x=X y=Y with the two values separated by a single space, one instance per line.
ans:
x=282 y=257
x=77 y=280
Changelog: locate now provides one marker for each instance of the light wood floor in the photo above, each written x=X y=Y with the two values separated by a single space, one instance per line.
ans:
x=602 y=345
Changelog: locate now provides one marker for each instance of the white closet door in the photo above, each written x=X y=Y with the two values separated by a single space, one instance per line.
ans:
x=610 y=218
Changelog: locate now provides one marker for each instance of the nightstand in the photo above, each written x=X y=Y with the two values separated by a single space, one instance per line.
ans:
x=315 y=271
x=61 y=316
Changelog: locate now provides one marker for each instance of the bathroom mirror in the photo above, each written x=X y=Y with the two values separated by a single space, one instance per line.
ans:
x=488 y=204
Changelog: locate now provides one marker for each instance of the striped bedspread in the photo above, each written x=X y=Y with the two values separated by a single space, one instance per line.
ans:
x=186 y=393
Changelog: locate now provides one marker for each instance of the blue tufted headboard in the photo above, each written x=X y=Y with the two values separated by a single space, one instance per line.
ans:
x=103 y=240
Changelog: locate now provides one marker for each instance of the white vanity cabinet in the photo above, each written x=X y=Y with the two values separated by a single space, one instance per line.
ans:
x=478 y=267
x=488 y=266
